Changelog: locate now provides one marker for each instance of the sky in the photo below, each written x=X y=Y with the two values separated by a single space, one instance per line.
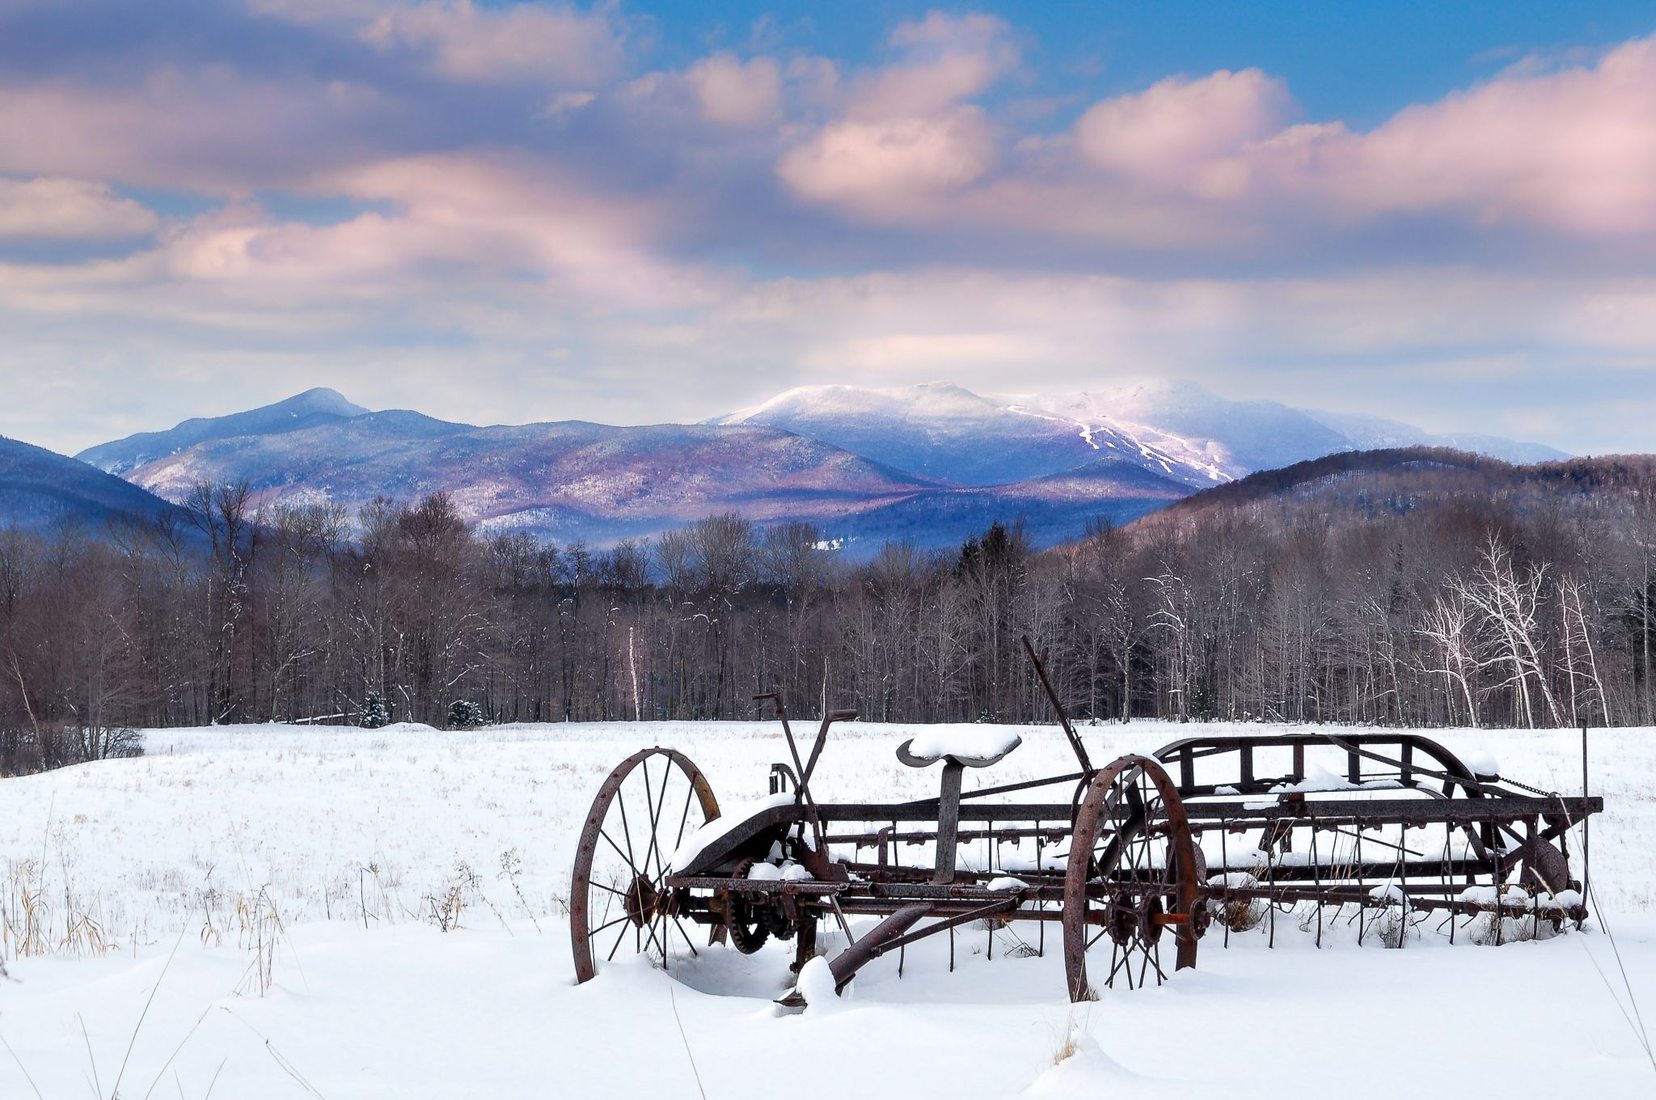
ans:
x=634 y=213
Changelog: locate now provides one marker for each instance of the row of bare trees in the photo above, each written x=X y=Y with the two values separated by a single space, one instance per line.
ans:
x=1461 y=609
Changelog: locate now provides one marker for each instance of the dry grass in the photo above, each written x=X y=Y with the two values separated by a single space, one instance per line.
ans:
x=1068 y=1044
x=259 y=929
x=31 y=925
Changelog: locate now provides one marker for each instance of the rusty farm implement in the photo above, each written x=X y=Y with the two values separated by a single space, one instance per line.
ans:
x=1135 y=860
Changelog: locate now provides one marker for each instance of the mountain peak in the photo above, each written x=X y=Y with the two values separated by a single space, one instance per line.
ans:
x=323 y=399
x=303 y=410
x=925 y=399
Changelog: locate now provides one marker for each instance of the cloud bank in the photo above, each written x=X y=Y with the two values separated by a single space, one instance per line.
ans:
x=522 y=210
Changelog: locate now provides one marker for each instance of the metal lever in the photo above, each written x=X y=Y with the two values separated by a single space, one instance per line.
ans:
x=1058 y=708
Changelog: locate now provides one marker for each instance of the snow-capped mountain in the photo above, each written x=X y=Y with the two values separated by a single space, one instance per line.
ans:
x=1179 y=431
x=567 y=480
x=574 y=480
x=937 y=430
x=305 y=410
x=932 y=464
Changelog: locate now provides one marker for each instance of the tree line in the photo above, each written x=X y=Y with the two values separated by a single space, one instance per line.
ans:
x=1427 y=608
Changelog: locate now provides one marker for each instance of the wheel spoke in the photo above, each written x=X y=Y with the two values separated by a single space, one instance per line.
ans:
x=686 y=937
x=649 y=808
x=616 y=946
x=611 y=924
x=655 y=825
x=603 y=833
x=684 y=818
x=661 y=946
x=626 y=832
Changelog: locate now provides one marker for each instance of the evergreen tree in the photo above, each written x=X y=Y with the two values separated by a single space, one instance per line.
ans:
x=374 y=714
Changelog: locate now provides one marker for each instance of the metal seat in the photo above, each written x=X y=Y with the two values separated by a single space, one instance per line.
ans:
x=957 y=756
x=964 y=756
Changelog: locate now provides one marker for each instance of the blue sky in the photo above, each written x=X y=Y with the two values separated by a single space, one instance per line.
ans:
x=1358 y=60
x=512 y=211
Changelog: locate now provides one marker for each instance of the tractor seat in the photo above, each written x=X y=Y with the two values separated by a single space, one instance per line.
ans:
x=969 y=748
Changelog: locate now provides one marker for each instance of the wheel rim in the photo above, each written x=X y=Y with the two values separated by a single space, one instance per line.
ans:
x=1132 y=874
x=619 y=901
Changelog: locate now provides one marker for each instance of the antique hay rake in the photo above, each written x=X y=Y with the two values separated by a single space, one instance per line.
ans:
x=1143 y=852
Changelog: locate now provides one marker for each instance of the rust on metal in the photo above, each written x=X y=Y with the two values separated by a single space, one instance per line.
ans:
x=1380 y=822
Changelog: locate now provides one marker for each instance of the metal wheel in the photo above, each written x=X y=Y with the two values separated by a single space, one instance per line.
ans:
x=619 y=901
x=745 y=931
x=1133 y=872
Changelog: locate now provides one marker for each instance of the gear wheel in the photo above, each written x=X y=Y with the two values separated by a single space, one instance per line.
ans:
x=748 y=932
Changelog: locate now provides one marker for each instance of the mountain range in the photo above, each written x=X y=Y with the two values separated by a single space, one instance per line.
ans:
x=931 y=463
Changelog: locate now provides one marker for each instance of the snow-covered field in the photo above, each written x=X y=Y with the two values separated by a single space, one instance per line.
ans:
x=255 y=912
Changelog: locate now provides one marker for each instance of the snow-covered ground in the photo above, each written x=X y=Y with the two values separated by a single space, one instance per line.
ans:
x=255 y=912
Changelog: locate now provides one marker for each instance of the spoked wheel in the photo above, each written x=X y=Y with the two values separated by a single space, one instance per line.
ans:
x=620 y=903
x=1134 y=872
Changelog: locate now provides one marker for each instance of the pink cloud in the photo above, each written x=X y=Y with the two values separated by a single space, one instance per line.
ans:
x=1569 y=150
x=891 y=166
x=495 y=221
x=906 y=135
x=731 y=92
x=943 y=60
x=49 y=208
x=1177 y=130
x=209 y=129
x=1219 y=161
x=540 y=43
x=1572 y=150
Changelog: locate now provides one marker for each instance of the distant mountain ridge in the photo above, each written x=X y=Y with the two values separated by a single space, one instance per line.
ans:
x=1182 y=432
x=932 y=464
x=1359 y=485
x=41 y=490
x=305 y=410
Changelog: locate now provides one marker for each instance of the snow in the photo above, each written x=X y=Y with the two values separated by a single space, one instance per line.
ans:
x=964 y=743
x=349 y=834
x=1316 y=779
x=694 y=844
x=1483 y=764
x=816 y=985
x=1007 y=882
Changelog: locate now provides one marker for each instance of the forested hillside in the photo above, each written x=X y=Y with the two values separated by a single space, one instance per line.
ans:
x=1416 y=587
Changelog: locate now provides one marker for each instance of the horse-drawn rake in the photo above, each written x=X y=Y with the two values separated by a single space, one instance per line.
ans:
x=1389 y=829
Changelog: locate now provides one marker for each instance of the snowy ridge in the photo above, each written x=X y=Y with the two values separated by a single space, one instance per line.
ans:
x=305 y=410
x=1179 y=431
x=932 y=464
